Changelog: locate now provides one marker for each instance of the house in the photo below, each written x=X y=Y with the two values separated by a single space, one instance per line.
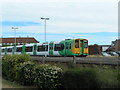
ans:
x=18 y=40
x=95 y=49
x=115 y=46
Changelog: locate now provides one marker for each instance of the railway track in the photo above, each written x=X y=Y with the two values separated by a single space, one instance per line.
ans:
x=81 y=60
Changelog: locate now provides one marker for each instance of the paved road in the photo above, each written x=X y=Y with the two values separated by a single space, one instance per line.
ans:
x=84 y=60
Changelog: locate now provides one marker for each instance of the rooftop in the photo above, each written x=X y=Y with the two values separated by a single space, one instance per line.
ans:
x=19 y=40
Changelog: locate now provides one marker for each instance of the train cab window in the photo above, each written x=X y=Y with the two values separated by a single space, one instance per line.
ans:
x=42 y=48
x=9 y=50
x=76 y=43
x=85 y=44
x=58 y=47
x=19 y=49
x=29 y=49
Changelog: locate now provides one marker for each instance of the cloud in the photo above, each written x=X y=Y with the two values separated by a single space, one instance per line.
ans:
x=66 y=16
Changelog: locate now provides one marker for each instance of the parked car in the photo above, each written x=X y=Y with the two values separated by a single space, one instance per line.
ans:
x=105 y=54
x=118 y=52
x=110 y=53
x=114 y=54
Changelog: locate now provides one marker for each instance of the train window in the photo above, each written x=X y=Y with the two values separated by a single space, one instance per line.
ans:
x=76 y=43
x=58 y=47
x=85 y=44
x=9 y=50
x=39 y=48
x=19 y=49
x=67 y=45
x=42 y=48
x=29 y=49
x=3 y=50
x=70 y=46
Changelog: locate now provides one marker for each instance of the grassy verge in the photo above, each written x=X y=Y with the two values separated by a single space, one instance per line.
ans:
x=9 y=84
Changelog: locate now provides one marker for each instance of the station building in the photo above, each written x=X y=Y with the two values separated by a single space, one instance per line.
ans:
x=19 y=41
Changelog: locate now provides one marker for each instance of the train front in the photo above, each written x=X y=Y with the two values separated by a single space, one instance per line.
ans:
x=80 y=47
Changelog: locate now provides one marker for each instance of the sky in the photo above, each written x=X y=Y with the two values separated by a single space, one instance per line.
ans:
x=95 y=20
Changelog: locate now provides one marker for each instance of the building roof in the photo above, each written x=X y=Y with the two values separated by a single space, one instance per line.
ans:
x=19 y=40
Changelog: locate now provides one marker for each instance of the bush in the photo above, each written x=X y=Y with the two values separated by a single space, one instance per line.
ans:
x=107 y=77
x=10 y=64
x=80 y=78
x=47 y=77
x=118 y=77
x=25 y=75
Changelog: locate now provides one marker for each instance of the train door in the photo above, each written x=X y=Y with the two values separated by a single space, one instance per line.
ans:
x=85 y=47
x=13 y=50
x=82 y=46
x=51 y=48
x=67 y=51
x=35 y=49
x=5 y=51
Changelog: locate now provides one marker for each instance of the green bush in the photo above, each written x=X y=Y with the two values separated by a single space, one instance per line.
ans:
x=118 y=78
x=47 y=76
x=25 y=75
x=10 y=64
x=107 y=77
x=80 y=78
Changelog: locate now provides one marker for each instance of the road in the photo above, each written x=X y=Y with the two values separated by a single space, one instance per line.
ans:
x=83 y=60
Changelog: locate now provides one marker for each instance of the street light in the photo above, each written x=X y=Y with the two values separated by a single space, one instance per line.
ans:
x=15 y=35
x=45 y=31
x=45 y=25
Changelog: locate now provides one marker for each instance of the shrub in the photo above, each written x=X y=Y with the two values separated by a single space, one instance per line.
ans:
x=47 y=76
x=107 y=77
x=80 y=78
x=25 y=74
x=118 y=78
x=10 y=64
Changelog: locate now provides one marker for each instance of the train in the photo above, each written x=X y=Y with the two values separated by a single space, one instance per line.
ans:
x=67 y=47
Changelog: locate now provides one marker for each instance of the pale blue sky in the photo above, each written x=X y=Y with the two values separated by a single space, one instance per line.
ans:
x=95 y=20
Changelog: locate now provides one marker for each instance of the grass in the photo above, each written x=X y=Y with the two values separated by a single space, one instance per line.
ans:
x=9 y=84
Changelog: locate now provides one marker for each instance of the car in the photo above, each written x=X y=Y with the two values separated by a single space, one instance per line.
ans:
x=105 y=54
x=114 y=54
x=118 y=52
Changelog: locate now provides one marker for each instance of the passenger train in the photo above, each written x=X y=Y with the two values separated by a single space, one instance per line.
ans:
x=67 y=47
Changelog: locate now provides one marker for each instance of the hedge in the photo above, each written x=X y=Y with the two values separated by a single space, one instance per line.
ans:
x=25 y=74
x=80 y=78
x=10 y=64
x=19 y=68
x=43 y=76
x=47 y=76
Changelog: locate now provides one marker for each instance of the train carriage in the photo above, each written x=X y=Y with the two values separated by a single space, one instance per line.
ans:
x=68 y=47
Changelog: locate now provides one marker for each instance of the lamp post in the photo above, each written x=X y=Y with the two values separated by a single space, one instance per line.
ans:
x=45 y=30
x=14 y=28
x=45 y=25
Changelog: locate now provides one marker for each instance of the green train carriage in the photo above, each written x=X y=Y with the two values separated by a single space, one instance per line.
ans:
x=69 y=47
